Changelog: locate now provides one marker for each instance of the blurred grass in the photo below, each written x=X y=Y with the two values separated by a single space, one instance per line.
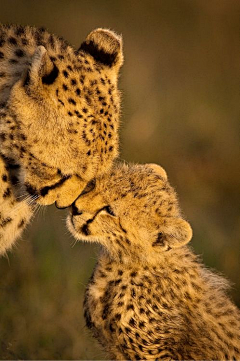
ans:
x=181 y=109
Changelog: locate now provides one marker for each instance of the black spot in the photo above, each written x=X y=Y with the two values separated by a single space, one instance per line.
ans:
x=5 y=221
x=19 y=53
x=71 y=101
x=13 y=61
x=65 y=87
x=141 y=324
x=152 y=320
x=2 y=74
x=23 y=150
x=4 y=178
x=65 y=73
x=69 y=68
x=127 y=330
x=51 y=77
x=78 y=91
x=73 y=82
x=3 y=137
x=7 y=193
x=12 y=40
x=118 y=281
x=1 y=55
x=61 y=102
x=132 y=322
x=111 y=327
x=77 y=113
x=118 y=317
x=130 y=307
x=105 y=312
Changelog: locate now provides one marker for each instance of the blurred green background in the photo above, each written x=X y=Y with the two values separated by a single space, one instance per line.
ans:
x=181 y=109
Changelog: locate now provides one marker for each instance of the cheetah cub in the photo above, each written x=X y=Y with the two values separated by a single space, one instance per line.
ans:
x=59 y=116
x=149 y=296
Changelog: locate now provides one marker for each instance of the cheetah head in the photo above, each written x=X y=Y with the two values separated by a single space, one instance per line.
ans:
x=133 y=210
x=66 y=115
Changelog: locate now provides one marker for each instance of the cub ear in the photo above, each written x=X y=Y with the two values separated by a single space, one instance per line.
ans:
x=105 y=47
x=42 y=69
x=175 y=232
x=158 y=170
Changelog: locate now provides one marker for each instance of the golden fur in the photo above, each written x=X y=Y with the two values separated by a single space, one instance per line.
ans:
x=59 y=109
x=149 y=296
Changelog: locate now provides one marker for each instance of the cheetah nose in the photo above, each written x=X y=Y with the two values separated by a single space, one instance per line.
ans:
x=75 y=210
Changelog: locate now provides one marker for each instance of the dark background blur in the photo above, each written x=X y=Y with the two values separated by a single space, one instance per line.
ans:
x=181 y=109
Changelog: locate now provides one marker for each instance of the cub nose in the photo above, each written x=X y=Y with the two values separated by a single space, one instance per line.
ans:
x=75 y=210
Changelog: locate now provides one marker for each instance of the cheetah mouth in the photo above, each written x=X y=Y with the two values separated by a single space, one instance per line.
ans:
x=84 y=229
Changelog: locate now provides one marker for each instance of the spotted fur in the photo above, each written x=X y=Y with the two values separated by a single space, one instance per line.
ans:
x=15 y=212
x=149 y=296
x=59 y=109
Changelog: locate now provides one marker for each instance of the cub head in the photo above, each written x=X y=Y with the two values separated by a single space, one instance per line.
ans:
x=65 y=116
x=131 y=210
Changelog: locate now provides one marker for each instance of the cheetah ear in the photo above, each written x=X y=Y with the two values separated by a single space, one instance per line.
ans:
x=42 y=69
x=105 y=47
x=175 y=232
x=158 y=170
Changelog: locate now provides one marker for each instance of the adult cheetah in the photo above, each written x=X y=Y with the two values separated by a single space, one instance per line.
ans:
x=59 y=118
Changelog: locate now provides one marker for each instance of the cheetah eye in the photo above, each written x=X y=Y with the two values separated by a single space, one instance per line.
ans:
x=89 y=187
x=109 y=210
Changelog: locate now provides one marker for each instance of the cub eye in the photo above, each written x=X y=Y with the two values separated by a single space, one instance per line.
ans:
x=89 y=187
x=109 y=210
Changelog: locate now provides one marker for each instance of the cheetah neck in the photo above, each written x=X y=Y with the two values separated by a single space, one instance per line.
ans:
x=174 y=258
